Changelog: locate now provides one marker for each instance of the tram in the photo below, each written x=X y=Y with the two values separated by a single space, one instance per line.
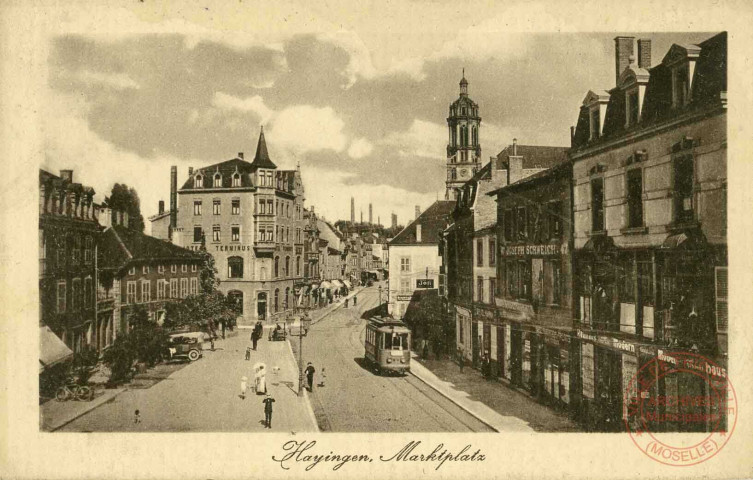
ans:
x=387 y=345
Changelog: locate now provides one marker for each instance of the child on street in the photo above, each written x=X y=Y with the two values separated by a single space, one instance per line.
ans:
x=248 y=353
x=244 y=386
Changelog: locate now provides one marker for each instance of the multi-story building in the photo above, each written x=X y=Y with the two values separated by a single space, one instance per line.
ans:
x=527 y=334
x=414 y=258
x=463 y=148
x=251 y=217
x=68 y=231
x=650 y=191
x=137 y=269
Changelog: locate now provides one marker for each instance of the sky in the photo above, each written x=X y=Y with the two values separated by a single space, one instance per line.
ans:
x=359 y=101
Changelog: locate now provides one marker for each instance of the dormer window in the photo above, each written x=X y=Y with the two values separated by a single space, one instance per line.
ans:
x=463 y=111
x=632 y=107
x=680 y=91
x=217 y=180
x=198 y=181
x=595 y=123
x=236 y=179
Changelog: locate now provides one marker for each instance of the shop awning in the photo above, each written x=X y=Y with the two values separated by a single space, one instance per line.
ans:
x=599 y=244
x=347 y=284
x=314 y=286
x=325 y=284
x=688 y=240
x=52 y=350
x=338 y=283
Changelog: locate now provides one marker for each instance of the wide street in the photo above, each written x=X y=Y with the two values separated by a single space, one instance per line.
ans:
x=355 y=399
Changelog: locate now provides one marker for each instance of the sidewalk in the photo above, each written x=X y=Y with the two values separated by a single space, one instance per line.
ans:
x=54 y=415
x=494 y=403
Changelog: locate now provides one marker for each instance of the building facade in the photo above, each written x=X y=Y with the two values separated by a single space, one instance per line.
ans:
x=463 y=148
x=414 y=257
x=251 y=215
x=649 y=171
x=68 y=232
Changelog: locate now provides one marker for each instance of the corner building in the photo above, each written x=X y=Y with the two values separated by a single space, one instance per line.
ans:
x=250 y=217
x=650 y=192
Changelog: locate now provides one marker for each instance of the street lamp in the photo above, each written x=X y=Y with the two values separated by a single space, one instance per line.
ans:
x=300 y=358
x=380 y=295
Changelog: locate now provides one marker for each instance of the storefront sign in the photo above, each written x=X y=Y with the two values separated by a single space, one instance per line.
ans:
x=696 y=364
x=553 y=336
x=404 y=298
x=545 y=249
x=519 y=308
x=607 y=341
x=233 y=248
x=425 y=283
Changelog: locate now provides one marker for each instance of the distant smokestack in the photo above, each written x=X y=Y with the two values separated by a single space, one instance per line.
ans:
x=644 y=53
x=361 y=216
x=174 y=198
x=370 y=217
x=352 y=210
x=572 y=135
x=394 y=220
x=379 y=221
x=161 y=207
x=418 y=211
x=514 y=147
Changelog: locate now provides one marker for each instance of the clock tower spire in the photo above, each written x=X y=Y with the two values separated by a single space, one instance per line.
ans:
x=463 y=149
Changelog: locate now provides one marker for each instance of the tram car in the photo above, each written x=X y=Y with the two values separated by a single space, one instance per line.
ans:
x=387 y=345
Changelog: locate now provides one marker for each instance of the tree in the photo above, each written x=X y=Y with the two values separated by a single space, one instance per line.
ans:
x=126 y=199
x=208 y=270
x=149 y=340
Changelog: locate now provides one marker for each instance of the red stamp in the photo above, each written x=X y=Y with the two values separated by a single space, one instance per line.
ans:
x=680 y=408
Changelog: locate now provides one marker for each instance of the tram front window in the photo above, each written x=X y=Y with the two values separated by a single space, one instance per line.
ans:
x=394 y=341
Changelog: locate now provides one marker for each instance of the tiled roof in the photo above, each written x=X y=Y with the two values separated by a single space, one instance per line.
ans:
x=433 y=221
x=120 y=245
x=534 y=156
x=709 y=85
x=226 y=169
x=561 y=168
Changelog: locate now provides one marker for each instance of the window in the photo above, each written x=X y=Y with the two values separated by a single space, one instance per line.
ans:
x=405 y=285
x=632 y=110
x=61 y=252
x=287 y=298
x=683 y=188
x=235 y=233
x=277 y=267
x=160 y=269
x=235 y=267
x=552 y=282
x=161 y=284
x=76 y=251
x=720 y=287
x=595 y=124
x=194 y=286
x=88 y=250
x=215 y=233
x=646 y=281
x=173 y=288
x=635 y=197
x=197 y=234
x=269 y=179
x=197 y=207
x=216 y=207
x=131 y=292
x=173 y=268
x=270 y=207
x=404 y=264
x=236 y=206
x=198 y=182
x=183 y=287
x=236 y=179
x=76 y=294
x=453 y=174
x=480 y=252
x=146 y=291
x=194 y=267
x=597 y=205
x=522 y=223
x=492 y=252
x=680 y=87
x=509 y=225
x=480 y=289
x=524 y=275
x=88 y=292
x=61 y=303
x=132 y=271
x=184 y=268
x=492 y=289
x=298 y=266
x=262 y=207
x=555 y=220
x=287 y=266
x=627 y=280
x=217 y=180
x=277 y=300
x=145 y=269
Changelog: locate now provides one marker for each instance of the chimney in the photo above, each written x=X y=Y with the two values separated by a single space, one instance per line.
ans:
x=190 y=171
x=67 y=175
x=418 y=211
x=418 y=233
x=623 y=50
x=352 y=210
x=514 y=147
x=370 y=217
x=240 y=155
x=174 y=199
x=161 y=207
x=361 y=216
x=105 y=216
x=644 y=53
x=572 y=135
x=312 y=209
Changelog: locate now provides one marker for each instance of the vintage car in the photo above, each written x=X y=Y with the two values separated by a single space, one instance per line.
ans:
x=278 y=333
x=188 y=345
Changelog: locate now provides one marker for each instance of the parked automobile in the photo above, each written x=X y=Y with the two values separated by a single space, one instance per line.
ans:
x=279 y=333
x=188 y=345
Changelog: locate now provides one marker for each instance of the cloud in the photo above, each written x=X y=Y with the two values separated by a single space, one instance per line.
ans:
x=360 y=148
x=254 y=104
x=117 y=81
x=423 y=139
x=304 y=128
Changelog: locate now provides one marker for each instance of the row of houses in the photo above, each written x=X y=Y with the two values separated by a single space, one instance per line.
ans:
x=569 y=268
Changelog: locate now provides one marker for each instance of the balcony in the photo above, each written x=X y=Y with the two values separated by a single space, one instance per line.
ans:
x=264 y=246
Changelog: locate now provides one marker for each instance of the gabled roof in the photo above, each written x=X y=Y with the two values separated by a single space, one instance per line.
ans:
x=119 y=246
x=433 y=221
x=227 y=169
x=262 y=160
x=534 y=156
x=562 y=168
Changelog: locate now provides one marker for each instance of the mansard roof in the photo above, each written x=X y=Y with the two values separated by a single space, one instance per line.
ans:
x=119 y=246
x=226 y=169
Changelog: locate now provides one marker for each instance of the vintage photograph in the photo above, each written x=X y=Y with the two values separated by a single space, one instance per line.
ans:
x=399 y=238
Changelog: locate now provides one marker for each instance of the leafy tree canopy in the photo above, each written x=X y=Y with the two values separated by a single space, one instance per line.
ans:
x=125 y=199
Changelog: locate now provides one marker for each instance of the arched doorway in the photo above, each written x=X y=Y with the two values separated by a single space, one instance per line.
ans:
x=236 y=297
x=277 y=300
x=261 y=305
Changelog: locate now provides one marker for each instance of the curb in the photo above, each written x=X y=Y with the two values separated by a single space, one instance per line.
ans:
x=92 y=405
x=463 y=407
x=305 y=393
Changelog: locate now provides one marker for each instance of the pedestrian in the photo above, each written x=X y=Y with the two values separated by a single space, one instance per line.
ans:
x=244 y=387
x=248 y=353
x=346 y=303
x=261 y=379
x=268 y=401
x=310 y=370
x=222 y=323
x=136 y=417
x=425 y=352
x=324 y=376
x=355 y=300
x=461 y=360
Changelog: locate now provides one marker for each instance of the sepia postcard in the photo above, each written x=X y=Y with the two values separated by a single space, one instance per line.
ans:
x=375 y=239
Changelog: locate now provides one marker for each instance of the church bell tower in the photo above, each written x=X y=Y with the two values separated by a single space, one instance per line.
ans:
x=463 y=149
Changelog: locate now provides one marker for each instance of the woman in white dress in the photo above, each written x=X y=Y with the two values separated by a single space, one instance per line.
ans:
x=260 y=379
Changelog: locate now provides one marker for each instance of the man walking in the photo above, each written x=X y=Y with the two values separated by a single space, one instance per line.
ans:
x=310 y=376
x=268 y=401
